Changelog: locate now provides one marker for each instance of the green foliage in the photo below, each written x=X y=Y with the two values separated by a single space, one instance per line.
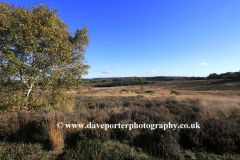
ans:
x=121 y=83
x=11 y=100
x=117 y=79
x=115 y=150
x=228 y=75
x=163 y=78
x=94 y=149
x=121 y=91
x=37 y=48
x=86 y=149
x=175 y=92
x=99 y=80
x=60 y=100
x=149 y=91
x=167 y=141
x=20 y=151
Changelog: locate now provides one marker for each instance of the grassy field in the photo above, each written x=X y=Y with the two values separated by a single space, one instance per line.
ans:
x=214 y=104
x=206 y=89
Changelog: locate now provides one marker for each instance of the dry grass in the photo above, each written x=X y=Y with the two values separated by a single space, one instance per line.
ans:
x=161 y=90
x=142 y=88
x=212 y=107
x=56 y=136
x=217 y=111
x=214 y=103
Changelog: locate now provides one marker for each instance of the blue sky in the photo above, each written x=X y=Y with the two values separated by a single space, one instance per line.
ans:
x=147 y=38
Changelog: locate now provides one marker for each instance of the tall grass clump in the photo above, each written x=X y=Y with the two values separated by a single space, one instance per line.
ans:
x=142 y=88
x=56 y=136
x=120 y=91
x=79 y=89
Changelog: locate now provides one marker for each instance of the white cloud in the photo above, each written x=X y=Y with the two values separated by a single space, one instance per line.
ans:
x=203 y=64
x=104 y=71
x=146 y=71
x=99 y=70
x=108 y=71
x=154 y=70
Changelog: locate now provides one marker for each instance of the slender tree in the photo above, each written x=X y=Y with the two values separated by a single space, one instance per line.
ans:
x=37 y=48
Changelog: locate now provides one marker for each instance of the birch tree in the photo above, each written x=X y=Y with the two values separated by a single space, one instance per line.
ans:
x=36 y=47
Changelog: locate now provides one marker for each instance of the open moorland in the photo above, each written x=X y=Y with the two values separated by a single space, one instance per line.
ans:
x=50 y=110
x=214 y=104
x=205 y=89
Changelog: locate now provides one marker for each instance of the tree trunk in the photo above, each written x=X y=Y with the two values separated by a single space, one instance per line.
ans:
x=29 y=90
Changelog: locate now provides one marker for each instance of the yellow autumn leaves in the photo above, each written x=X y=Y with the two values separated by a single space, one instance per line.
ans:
x=40 y=40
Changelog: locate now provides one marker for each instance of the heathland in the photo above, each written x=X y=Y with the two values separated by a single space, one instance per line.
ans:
x=212 y=103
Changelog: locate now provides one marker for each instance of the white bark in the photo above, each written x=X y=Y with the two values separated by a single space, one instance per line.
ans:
x=29 y=86
x=29 y=90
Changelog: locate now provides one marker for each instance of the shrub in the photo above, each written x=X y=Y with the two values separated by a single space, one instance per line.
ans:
x=60 y=100
x=215 y=135
x=80 y=89
x=85 y=149
x=175 y=92
x=115 y=150
x=136 y=91
x=90 y=88
x=20 y=151
x=142 y=88
x=149 y=91
x=167 y=143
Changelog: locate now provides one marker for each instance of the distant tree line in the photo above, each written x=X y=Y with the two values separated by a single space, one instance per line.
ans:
x=158 y=78
x=164 y=78
x=122 y=83
x=228 y=75
x=101 y=80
